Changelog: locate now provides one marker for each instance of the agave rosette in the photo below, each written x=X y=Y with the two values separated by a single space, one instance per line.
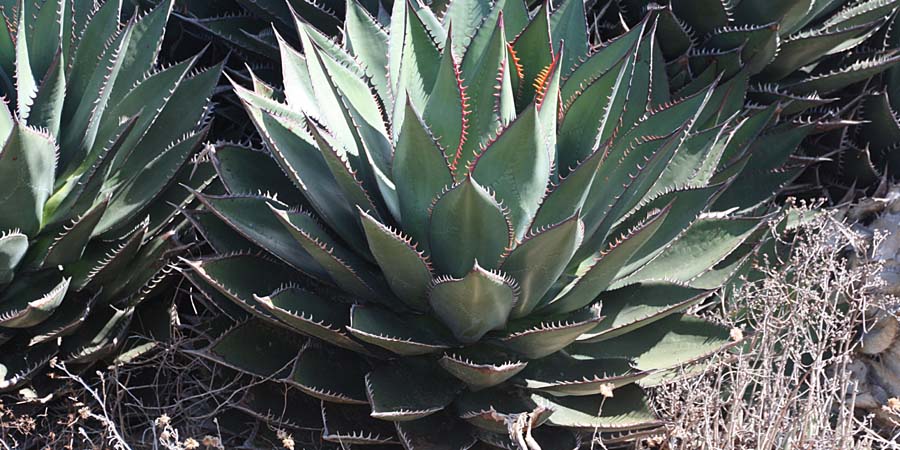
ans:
x=468 y=225
x=803 y=50
x=97 y=141
x=831 y=58
x=872 y=147
x=243 y=33
x=247 y=26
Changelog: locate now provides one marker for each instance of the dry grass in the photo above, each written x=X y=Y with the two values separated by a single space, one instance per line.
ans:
x=792 y=385
x=82 y=420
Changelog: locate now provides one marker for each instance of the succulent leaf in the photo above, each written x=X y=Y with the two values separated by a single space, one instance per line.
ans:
x=685 y=206
x=406 y=270
x=537 y=338
x=368 y=41
x=462 y=16
x=46 y=108
x=539 y=260
x=627 y=409
x=670 y=342
x=561 y=375
x=805 y=48
x=344 y=268
x=824 y=83
x=137 y=193
x=329 y=375
x=103 y=261
x=169 y=125
x=568 y=197
x=351 y=424
x=312 y=315
x=475 y=304
x=298 y=157
x=13 y=245
x=25 y=304
x=704 y=244
x=253 y=218
x=447 y=107
x=80 y=189
x=227 y=275
x=467 y=228
x=17 y=370
x=43 y=44
x=640 y=304
x=600 y=62
x=285 y=407
x=401 y=392
x=244 y=170
x=493 y=409
x=601 y=273
x=633 y=101
x=404 y=335
x=253 y=348
x=77 y=139
x=421 y=172
x=329 y=79
x=481 y=368
x=416 y=58
x=703 y=16
x=26 y=81
x=861 y=12
x=516 y=167
x=66 y=319
x=591 y=104
x=69 y=246
x=98 y=338
x=143 y=47
x=27 y=162
x=338 y=163
x=489 y=89
x=568 y=25
x=536 y=50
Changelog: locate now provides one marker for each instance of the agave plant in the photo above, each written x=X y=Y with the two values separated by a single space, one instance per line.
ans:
x=96 y=142
x=247 y=26
x=242 y=32
x=798 y=49
x=873 y=154
x=824 y=55
x=470 y=225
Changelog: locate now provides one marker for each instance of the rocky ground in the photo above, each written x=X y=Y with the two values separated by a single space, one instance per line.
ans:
x=878 y=365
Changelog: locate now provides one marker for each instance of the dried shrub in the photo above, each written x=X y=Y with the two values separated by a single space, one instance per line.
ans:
x=792 y=385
